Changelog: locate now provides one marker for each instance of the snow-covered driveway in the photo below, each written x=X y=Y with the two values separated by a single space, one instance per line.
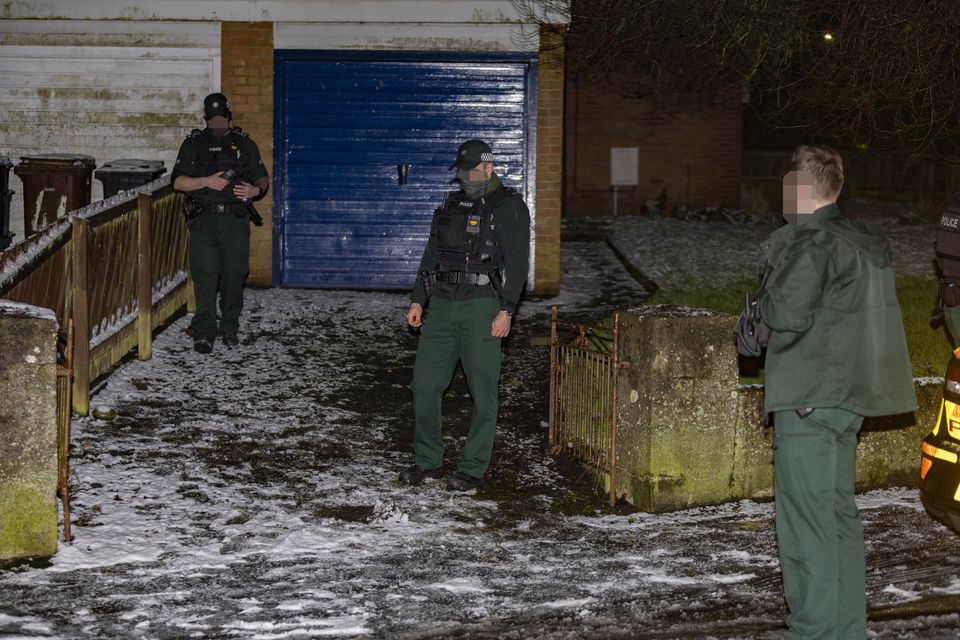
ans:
x=252 y=494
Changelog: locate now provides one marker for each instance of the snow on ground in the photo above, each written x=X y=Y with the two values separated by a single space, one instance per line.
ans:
x=252 y=494
x=722 y=253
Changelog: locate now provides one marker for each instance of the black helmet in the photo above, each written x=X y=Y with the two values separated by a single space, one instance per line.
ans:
x=214 y=105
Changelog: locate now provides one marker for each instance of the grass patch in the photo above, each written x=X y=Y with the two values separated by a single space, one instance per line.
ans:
x=929 y=348
x=721 y=297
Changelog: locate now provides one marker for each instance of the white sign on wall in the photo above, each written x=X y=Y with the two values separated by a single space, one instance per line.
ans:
x=624 y=166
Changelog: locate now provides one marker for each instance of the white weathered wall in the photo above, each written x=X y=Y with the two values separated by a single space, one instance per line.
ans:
x=462 y=11
x=106 y=89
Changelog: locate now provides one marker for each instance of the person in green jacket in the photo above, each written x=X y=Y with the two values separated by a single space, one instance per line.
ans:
x=837 y=352
x=472 y=273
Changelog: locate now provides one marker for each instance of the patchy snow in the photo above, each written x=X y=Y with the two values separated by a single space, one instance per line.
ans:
x=724 y=253
x=109 y=327
x=13 y=308
x=252 y=493
x=38 y=244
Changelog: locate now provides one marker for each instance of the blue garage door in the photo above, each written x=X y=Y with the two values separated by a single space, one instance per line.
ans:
x=364 y=147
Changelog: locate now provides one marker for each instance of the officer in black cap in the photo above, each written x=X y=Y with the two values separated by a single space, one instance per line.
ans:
x=472 y=273
x=220 y=171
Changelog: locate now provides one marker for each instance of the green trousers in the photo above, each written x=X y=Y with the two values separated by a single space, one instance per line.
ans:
x=457 y=331
x=219 y=262
x=819 y=532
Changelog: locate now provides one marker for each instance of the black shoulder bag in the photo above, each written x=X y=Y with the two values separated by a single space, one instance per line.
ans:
x=751 y=331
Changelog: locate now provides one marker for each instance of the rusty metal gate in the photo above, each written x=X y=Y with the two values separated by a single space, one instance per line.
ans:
x=584 y=374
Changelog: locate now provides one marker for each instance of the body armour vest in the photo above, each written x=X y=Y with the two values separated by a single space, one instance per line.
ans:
x=466 y=233
x=215 y=154
x=948 y=243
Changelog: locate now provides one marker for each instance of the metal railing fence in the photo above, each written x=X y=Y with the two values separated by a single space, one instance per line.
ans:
x=584 y=377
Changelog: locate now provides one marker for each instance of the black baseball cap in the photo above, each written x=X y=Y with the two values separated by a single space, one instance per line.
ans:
x=214 y=105
x=471 y=153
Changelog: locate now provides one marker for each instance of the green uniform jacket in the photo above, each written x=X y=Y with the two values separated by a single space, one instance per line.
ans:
x=513 y=229
x=837 y=336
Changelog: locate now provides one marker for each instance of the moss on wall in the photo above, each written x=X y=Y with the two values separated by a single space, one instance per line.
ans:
x=689 y=435
x=29 y=523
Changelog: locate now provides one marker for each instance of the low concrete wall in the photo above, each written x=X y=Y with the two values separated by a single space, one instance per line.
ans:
x=690 y=434
x=28 y=431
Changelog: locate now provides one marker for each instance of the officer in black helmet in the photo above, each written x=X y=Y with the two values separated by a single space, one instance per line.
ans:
x=472 y=273
x=220 y=171
x=948 y=262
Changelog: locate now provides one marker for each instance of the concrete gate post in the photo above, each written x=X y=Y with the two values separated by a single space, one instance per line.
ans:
x=683 y=431
x=689 y=434
x=28 y=431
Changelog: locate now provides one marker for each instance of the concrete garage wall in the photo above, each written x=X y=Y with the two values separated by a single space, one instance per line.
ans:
x=690 y=434
x=71 y=31
x=28 y=431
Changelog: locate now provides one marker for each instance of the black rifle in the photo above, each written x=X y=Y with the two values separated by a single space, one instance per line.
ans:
x=252 y=212
x=496 y=283
x=254 y=215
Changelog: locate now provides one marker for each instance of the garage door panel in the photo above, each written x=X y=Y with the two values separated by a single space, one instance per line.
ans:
x=343 y=248
x=347 y=205
x=345 y=126
x=308 y=235
x=347 y=280
x=403 y=74
x=398 y=120
x=349 y=99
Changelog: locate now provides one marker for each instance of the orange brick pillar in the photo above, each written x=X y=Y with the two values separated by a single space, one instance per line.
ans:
x=246 y=78
x=549 y=196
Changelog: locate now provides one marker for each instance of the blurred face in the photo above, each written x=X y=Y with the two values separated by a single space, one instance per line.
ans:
x=798 y=197
x=479 y=173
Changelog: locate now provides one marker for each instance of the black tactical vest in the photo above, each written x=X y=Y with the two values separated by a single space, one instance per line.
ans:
x=217 y=153
x=948 y=244
x=213 y=155
x=466 y=232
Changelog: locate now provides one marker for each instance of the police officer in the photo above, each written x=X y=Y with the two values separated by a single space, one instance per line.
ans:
x=472 y=273
x=220 y=171
x=948 y=261
x=837 y=352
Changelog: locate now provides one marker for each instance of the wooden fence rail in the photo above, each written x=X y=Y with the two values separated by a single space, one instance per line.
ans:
x=118 y=268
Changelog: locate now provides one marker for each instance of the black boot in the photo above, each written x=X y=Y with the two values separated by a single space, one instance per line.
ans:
x=414 y=475
x=462 y=482
x=230 y=339
x=202 y=344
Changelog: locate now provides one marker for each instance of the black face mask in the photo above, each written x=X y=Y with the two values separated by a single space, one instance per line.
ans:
x=475 y=182
x=474 y=188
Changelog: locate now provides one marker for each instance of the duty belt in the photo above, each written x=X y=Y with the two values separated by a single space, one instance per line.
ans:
x=222 y=208
x=458 y=277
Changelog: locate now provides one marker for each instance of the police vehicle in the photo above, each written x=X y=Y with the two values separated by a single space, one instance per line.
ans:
x=940 y=457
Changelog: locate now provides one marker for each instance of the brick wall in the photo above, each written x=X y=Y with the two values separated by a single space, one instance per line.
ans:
x=549 y=196
x=247 y=81
x=690 y=147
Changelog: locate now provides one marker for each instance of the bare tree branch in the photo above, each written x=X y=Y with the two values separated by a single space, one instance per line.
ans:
x=883 y=74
